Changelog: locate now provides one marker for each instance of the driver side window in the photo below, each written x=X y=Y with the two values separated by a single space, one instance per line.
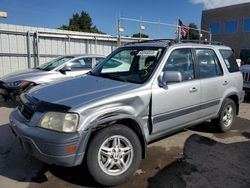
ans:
x=80 y=64
x=181 y=60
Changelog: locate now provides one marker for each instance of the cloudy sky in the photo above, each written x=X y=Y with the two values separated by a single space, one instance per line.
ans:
x=209 y=4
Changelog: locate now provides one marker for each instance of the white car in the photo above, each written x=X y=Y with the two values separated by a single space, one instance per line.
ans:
x=60 y=68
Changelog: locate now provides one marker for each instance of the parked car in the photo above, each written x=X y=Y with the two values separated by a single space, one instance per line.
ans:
x=58 y=69
x=108 y=116
x=245 y=70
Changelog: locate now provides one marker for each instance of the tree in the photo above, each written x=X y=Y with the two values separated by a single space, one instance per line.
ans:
x=82 y=22
x=193 y=33
x=137 y=35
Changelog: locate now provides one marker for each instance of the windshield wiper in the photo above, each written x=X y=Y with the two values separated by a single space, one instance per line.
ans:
x=91 y=73
x=113 y=76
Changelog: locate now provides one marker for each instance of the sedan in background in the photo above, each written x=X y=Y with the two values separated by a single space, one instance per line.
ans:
x=61 y=68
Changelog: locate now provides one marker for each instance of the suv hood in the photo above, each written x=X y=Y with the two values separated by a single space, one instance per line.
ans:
x=28 y=74
x=245 y=68
x=79 y=91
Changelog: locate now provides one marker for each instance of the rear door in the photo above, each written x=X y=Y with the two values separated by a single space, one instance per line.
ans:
x=213 y=83
x=177 y=104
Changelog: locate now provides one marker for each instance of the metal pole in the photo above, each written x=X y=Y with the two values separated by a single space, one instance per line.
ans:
x=95 y=45
x=119 y=34
x=118 y=30
x=28 y=49
x=140 y=28
x=37 y=48
x=199 y=35
x=65 y=46
x=210 y=37
x=87 y=47
x=69 y=43
x=178 y=32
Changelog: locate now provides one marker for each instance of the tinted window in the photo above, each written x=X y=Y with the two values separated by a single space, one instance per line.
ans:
x=246 y=25
x=181 y=60
x=215 y=28
x=231 y=26
x=208 y=63
x=80 y=64
x=229 y=60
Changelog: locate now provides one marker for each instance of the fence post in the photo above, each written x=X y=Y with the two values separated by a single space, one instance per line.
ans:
x=95 y=45
x=69 y=44
x=28 y=49
x=37 y=48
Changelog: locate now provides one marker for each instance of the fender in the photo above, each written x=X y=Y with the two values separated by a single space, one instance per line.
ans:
x=141 y=125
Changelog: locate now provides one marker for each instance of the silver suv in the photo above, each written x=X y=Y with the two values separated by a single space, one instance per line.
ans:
x=245 y=70
x=139 y=93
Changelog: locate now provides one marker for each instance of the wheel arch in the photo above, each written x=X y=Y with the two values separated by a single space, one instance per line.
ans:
x=131 y=123
x=234 y=97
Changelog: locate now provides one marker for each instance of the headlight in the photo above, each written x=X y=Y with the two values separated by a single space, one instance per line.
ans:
x=64 y=122
x=19 y=83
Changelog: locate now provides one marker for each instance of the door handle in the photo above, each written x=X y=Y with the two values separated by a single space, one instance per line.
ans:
x=193 y=89
x=225 y=83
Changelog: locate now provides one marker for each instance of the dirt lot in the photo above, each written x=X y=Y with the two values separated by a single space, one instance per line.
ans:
x=197 y=157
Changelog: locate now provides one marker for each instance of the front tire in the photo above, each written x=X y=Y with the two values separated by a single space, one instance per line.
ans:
x=114 y=154
x=226 y=117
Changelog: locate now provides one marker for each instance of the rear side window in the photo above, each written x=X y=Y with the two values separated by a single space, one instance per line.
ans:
x=208 y=63
x=229 y=60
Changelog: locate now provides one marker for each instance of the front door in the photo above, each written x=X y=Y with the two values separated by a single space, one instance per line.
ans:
x=177 y=104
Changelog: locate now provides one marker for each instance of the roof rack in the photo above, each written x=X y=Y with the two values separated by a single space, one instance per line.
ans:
x=151 y=41
x=176 y=41
x=201 y=42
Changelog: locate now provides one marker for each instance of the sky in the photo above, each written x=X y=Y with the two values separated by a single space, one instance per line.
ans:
x=104 y=13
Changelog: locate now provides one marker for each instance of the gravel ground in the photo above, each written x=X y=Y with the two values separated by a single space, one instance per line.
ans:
x=197 y=157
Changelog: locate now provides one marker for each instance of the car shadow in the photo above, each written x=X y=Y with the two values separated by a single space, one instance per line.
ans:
x=78 y=175
x=8 y=104
x=204 y=159
x=247 y=98
x=240 y=124
x=207 y=163
x=15 y=163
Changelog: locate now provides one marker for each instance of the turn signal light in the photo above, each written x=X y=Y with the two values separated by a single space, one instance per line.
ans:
x=71 y=149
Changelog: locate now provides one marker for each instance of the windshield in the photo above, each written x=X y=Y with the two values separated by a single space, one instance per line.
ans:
x=131 y=64
x=54 y=63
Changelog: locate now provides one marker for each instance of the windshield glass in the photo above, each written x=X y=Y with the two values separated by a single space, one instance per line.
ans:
x=131 y=64
x=54 y=63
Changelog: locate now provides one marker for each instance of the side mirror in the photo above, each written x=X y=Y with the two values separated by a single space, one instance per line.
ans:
x=65 y=69
x=169 y=77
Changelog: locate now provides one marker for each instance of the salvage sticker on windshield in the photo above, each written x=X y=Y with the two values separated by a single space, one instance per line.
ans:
x=147 y=53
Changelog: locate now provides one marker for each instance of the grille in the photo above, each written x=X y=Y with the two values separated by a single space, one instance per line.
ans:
x=246 y=76
x=26 y=111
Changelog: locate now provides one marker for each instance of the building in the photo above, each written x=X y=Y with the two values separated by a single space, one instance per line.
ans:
x=230 y=25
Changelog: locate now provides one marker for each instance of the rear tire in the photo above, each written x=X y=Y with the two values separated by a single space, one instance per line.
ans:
x=227 y=115
x=113 y=155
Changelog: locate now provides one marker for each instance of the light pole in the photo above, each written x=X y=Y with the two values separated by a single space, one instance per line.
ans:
x=3 y=14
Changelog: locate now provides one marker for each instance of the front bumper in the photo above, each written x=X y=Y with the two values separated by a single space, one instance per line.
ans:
x=9 y=92
x=49 y=146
